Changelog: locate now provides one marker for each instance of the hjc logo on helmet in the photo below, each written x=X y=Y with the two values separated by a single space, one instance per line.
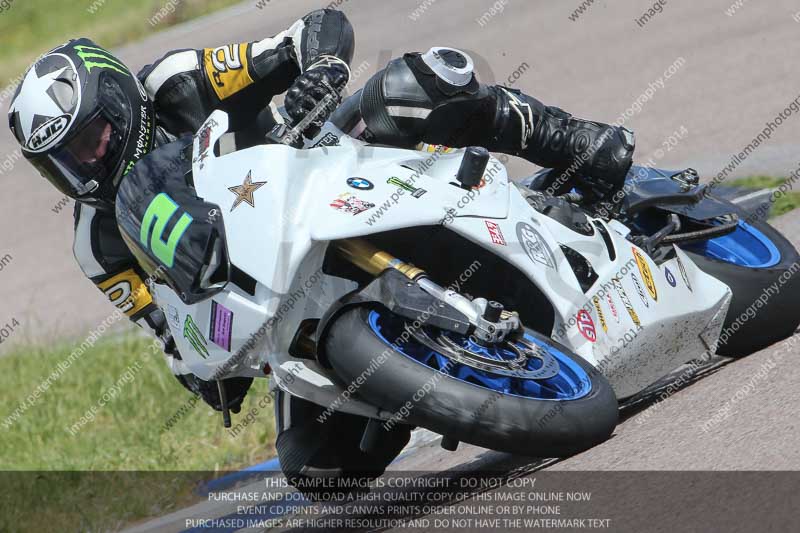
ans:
x=47 y=132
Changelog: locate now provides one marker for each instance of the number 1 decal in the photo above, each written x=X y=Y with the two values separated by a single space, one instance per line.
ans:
x=158 y=214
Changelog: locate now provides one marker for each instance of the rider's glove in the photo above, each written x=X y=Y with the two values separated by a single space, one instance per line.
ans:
x=235 y=389
x=328 y=76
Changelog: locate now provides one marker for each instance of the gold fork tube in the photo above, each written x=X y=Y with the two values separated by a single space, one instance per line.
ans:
x=372 y=260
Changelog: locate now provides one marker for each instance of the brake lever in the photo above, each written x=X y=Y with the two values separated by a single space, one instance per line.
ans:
x=283 y=134
x=292 y=135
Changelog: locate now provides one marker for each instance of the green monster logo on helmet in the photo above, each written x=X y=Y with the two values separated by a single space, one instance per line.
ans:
x=104 y=59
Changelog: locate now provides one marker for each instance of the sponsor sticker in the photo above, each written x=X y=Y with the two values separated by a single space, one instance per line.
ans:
x=670 y=277
x=600 y=315
x=495 y=233
x=348 y=203
x=435 y=148
x=640 y=290
x=173 y=318
x=204 y=141
x=647 y=274
x=534 y=245
x=684 y=274
x=404 y=185
x=612 y=306
x=623 y=296
x=586 y=326
x=360 y=183
x=192 y=334
x=244 y=192
x=221 y=326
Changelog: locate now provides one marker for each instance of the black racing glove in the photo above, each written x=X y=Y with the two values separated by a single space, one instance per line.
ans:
x=328 y=76
x=235 y=390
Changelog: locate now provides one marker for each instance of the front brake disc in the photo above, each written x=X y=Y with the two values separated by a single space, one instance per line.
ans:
x=504 y=367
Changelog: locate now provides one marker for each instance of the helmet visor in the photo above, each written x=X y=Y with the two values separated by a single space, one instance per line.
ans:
x=93 y=155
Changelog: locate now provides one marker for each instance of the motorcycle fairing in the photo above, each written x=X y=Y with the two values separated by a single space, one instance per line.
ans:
x=302 y=185
x=682 y=319
x=281 y=241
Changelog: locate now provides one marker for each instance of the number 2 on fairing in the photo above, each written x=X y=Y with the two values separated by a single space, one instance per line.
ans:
x=158 y=214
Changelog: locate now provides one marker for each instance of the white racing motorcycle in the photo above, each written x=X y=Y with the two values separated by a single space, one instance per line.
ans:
x=425 y=288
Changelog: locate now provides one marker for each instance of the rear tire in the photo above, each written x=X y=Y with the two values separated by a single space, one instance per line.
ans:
x=771 y=323
x=465 y=411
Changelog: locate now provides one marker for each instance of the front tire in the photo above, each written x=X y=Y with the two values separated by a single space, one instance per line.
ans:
x=464 y=410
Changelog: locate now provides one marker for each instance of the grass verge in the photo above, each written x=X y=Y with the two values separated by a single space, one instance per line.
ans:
x=30 y=28
x=139 y=468
x=782 y=203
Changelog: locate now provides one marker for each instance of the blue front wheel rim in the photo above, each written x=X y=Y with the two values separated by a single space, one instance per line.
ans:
x=570 y=383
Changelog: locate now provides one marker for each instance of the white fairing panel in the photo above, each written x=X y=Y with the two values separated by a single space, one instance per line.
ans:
x=637 y=321
x=293 y=210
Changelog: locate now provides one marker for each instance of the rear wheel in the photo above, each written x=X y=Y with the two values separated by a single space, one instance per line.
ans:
x=530 y=396
x=759 y=265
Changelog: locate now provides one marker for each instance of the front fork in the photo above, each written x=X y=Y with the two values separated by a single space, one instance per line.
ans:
x=491 y=323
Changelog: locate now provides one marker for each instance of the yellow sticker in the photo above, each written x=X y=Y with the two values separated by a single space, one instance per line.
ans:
x=600 y=315
x=647 y=275
x=623 y=296
x=226 y=68
x=435 y=148
x=127 y=291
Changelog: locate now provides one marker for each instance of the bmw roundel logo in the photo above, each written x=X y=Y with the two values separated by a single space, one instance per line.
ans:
x=360 y=183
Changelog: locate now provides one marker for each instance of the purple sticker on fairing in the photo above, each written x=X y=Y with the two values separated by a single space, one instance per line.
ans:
x=221 y=326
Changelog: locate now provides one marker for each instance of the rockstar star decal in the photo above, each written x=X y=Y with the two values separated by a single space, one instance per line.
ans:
x=244 y=192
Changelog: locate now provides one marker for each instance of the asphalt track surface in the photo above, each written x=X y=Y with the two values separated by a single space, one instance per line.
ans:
x=738 y=73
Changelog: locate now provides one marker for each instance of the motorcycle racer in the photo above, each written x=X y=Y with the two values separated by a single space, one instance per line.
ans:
x=84 y=120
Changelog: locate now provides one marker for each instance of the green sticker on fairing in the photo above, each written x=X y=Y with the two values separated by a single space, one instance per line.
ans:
x=158 y=214
x=192 y=334
x=104 y=59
